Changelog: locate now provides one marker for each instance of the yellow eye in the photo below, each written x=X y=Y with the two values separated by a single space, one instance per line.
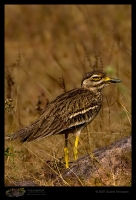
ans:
x=96 y=78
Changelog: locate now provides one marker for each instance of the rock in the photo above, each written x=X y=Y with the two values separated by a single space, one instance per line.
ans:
x=107 y=166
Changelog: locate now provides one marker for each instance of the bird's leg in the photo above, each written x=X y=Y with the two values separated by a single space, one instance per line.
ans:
x=66 y=151
x=76 y=145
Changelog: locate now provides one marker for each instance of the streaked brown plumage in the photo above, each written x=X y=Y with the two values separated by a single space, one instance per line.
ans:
x=70 y=112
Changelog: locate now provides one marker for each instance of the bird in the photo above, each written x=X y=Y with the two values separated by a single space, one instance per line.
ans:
x=70 y=112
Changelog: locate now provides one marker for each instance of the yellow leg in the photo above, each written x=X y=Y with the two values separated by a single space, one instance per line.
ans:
x=66 y=156
x=66 y=151
x=75 y=148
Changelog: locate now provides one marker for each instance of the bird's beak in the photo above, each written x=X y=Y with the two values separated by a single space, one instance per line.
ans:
x=112 y=80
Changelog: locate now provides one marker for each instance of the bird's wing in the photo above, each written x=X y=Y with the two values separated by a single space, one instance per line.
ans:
x=68 y=110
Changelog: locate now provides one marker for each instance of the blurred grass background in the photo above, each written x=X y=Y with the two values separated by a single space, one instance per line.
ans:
x=44 y=43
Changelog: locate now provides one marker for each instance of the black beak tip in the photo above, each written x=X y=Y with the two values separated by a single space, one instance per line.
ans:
x=116 y=81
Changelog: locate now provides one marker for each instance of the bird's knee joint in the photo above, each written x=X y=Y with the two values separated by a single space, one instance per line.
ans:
x=66 y=150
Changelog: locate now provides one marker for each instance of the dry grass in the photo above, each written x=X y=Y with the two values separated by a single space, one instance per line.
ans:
x=44 y=43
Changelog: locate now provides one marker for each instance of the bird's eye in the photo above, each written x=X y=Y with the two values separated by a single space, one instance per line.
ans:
x=96 y=78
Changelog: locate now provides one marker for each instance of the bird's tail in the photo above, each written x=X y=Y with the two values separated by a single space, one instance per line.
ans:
x=17 y=135
x=22 y=135
x=32 y=132
x=8 y=137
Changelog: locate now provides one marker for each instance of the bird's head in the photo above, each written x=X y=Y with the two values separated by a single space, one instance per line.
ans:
x=96 y=80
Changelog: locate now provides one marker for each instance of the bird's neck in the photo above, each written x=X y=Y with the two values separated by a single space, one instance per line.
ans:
x=93 y=89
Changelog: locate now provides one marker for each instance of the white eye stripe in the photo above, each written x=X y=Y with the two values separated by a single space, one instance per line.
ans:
x=96 y=76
